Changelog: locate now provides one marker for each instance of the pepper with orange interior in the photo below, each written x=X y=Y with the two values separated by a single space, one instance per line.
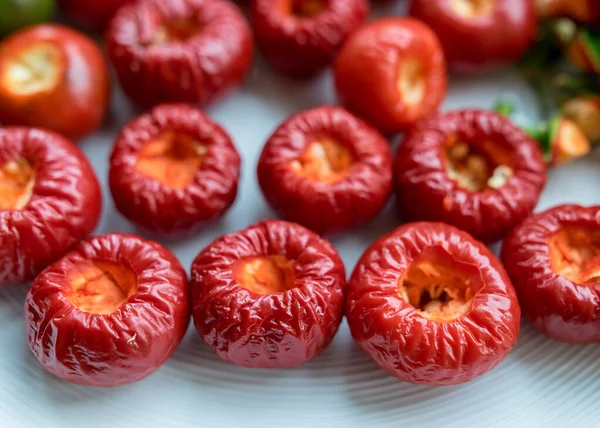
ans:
x=184 y=51
x=478 y=33
x=173 y=169
x=392 y=73
x=302 y=37
x=49 y=200
x=110 y=312
x=55 y=78
x=326 y=169
x=432 y=306
x=553 y=258
x=269 y=296
x=472 y=169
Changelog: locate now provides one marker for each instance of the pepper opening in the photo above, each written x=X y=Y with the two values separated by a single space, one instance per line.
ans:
x=472 y=8
x=174 y=31
x=411 y=82
x=17 y=179
x=477 y=170
x=308 y=8
x=575 y=254
x=173 y=158
x=325 y=161
x=437 y=286
x=99 y=287
x=35 y=69
x=265 y=274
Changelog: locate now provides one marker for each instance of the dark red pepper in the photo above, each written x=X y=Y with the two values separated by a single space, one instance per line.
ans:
x=173 y=169
x=326 y=169
x=432 y=306
x=553 y=259
x=472 y=169
x=270 y=296
x=109 y=313
x=179 y=51
x=49 y=200
x=475 y=34
x=302 y=37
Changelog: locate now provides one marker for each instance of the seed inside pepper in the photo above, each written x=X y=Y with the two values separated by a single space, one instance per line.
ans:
x=436 y=286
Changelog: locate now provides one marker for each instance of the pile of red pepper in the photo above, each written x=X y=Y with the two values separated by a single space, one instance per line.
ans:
x=429 y=302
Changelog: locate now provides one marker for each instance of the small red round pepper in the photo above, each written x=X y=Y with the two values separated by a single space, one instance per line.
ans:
x=472 y=169
x=553 y=259
x=326 y=169
x=269 y=296
x=109 y=313
x=173 y=169
x=49 y=200
x=432 y=306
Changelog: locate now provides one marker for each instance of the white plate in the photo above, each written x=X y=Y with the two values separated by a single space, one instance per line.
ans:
x=542 y=383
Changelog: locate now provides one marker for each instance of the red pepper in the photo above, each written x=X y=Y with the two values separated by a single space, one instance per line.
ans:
x=432 y=306
x=184 y=51
x=109 y=313
x=55 y=78
x=475 y=34
x=472 y=169
x=49 y=200
x=392 y=73
x=93 y=14
x=270 y=296
x=553 y=259
x=302 y=37
x=173 y=169
x=326 y=169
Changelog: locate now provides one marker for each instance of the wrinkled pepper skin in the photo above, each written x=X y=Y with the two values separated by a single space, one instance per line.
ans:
x=154 y=205
x=556 y=306
x=500 y=35
x=279 y=330
x=198 y=69
x=75 y=104
x=117 y=348
x=92 y=14
x=366 y=72
x=300 y=46
x=324 y=207
x=426 y=192
x=64 y=207
x=414 y=348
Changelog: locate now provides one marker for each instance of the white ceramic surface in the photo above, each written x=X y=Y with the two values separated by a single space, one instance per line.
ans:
x=542 y=383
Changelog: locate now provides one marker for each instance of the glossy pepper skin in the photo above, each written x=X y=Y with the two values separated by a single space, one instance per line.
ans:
x=414 y=348
x=426 y=192
x=326 y=207
x=561 y=308
x=500 y=33
x=209 y=52
x=279 y=330
x=64 y=207
x=120 y=347
x=299 y=43
x=367 y=73
x=155 y=205
x=72 y=100
x=92 y=14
